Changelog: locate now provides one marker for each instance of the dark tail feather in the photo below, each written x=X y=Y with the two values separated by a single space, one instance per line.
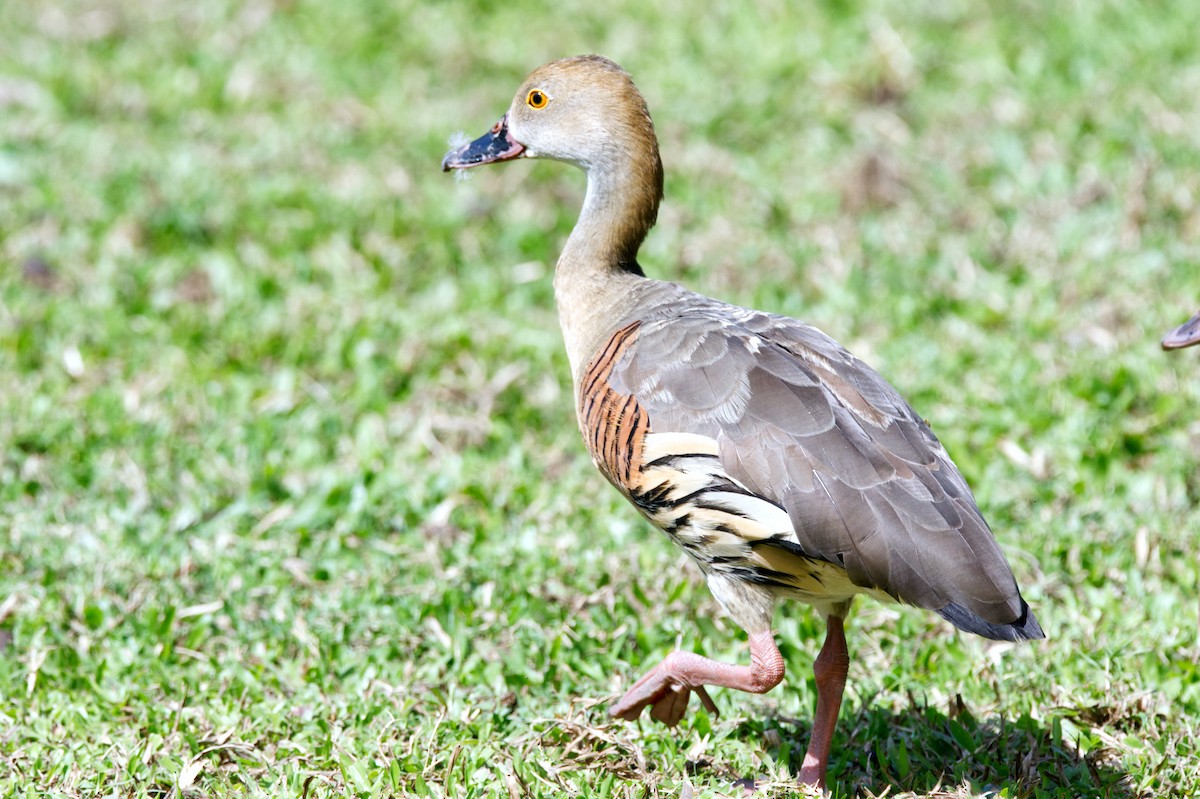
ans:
x=1026 y=626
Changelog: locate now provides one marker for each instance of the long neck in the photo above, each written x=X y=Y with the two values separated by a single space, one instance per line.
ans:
x=597 y=275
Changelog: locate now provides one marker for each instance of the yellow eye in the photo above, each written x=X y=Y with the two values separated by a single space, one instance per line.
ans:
x=537 y=99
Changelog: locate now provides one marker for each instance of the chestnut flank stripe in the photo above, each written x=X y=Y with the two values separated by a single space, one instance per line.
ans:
x=613 y=424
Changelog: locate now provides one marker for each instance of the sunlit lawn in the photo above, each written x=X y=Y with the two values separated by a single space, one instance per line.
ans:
x=293 y=499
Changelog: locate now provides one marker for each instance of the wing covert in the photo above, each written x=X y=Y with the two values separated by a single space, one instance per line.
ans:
x=803 y=423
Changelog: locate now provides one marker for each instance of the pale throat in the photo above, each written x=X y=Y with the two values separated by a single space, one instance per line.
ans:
x=593 y=288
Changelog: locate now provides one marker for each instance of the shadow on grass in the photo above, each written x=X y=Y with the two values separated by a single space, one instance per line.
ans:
x=927 y=752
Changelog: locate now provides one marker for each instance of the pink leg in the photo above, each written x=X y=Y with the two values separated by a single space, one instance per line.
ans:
x=830 y=670
x=667 y=687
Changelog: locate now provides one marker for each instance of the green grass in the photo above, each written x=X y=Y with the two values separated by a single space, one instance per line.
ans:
x=293 y=499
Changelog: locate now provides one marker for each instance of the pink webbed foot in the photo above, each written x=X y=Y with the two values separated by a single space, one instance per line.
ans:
x=667 y=688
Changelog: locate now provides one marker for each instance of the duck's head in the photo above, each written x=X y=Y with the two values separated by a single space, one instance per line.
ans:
x=1185 y=335
x=583 y=110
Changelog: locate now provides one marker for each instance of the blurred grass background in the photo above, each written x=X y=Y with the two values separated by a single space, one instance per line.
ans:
x=292 y=494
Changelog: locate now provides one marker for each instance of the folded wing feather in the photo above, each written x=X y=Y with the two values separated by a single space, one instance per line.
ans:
x=804 y=424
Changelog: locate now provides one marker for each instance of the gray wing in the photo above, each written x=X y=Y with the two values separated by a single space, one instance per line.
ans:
x=802 y=422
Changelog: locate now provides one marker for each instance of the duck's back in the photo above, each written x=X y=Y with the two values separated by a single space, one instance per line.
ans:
x=772 y=454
